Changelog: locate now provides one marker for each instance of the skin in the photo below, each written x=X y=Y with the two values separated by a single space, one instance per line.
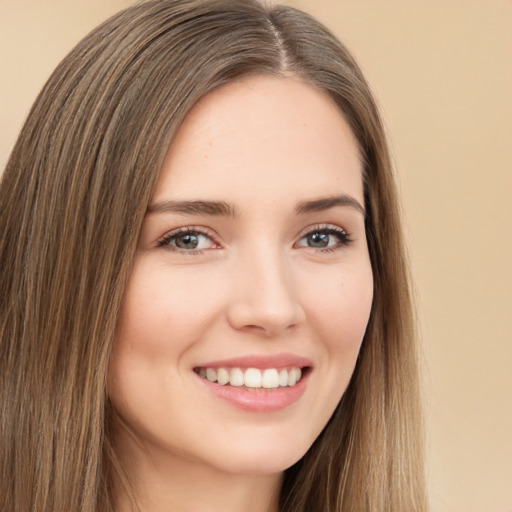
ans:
x=255 y=286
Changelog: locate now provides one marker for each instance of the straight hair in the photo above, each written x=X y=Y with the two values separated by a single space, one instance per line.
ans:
x=73 y=197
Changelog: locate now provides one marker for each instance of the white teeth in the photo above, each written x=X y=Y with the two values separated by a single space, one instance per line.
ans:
x=252 y=378
x=236 y=377
x=222 y=376
x=292 y=377
x=269 y=378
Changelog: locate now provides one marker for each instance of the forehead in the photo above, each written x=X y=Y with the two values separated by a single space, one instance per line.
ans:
x=262 y=136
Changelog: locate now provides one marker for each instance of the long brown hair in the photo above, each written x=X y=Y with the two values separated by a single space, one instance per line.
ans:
x=73 y=197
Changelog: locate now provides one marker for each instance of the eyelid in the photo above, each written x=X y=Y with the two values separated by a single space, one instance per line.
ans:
x=342 y=233
x=321 y=227
x=162 y=242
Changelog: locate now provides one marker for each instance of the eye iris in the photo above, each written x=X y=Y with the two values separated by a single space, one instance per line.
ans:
x=187 y=241
x=318 y=239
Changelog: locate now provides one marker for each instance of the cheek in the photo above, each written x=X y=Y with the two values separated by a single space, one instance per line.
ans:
x=160 y=319
x=163 y=311
x=163 y=315
x=341 y=308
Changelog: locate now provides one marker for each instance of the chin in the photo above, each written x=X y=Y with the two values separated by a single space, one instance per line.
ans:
x=258 y=466
x=255 y=458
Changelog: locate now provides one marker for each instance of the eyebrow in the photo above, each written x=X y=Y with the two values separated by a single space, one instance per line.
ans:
x=324 y=203
x=221 y=208
x=193 y=208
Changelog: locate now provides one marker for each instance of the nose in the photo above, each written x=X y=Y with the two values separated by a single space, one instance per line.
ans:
x=263 y=298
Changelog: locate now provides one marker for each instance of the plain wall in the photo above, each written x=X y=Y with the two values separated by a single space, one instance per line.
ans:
x=442 y=72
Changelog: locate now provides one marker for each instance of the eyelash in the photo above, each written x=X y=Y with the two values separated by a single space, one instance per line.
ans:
x=165 y=241
x=329 y=229
x=343 y=236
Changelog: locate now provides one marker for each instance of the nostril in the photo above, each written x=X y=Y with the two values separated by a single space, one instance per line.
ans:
x=260 y=319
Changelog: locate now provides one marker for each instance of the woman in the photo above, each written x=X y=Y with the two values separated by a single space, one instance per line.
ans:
x=204 y=295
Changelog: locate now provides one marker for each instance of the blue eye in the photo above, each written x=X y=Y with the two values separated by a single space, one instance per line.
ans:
x=187 y=240
x=322 y=238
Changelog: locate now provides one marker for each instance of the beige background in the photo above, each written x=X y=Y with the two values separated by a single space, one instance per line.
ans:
x=442 y=71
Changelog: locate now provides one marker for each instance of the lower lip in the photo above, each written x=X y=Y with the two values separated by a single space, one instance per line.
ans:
x=260 y=399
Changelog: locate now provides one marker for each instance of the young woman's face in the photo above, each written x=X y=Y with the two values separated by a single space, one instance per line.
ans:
x=252 y=267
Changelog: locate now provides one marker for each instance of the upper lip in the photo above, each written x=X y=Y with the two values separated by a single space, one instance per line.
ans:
x=260 y=361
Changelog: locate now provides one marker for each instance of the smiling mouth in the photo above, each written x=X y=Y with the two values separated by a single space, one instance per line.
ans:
x=253 y=378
